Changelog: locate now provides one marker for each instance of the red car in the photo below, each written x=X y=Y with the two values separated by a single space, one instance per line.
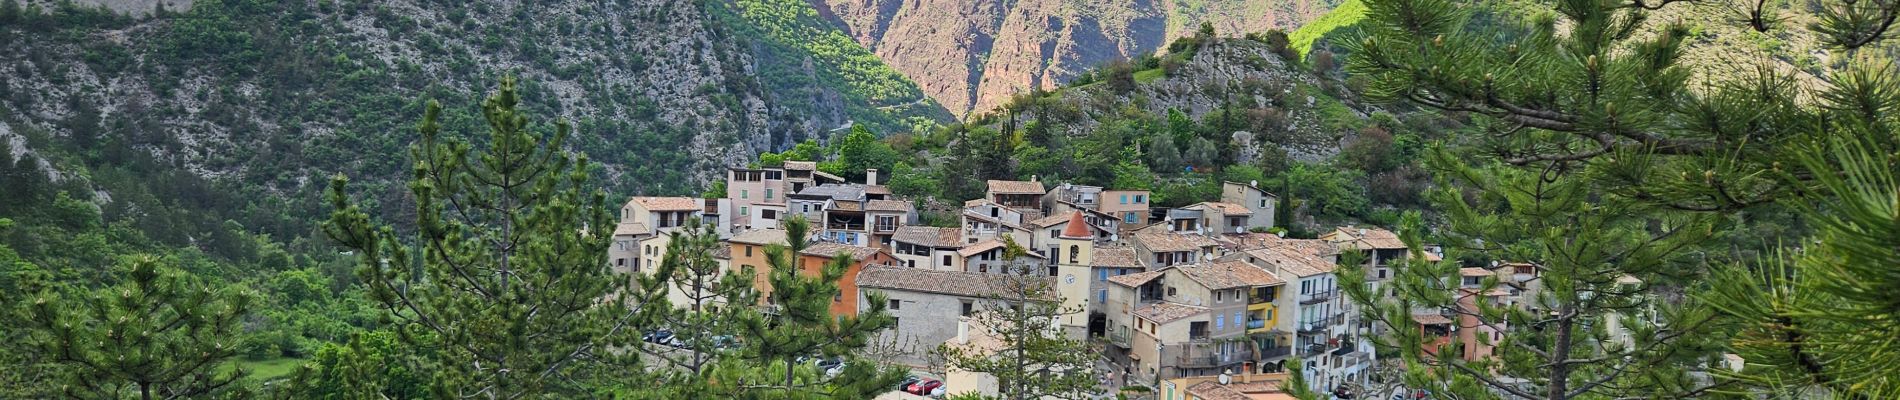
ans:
x=923 y=387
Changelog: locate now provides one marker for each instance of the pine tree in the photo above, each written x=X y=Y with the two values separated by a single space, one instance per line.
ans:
x=713 y=296
x=1824 y=317
x=796 y=326
x=1598 y=322
x=1033 y=357
x=506 y=275
x=158 y=333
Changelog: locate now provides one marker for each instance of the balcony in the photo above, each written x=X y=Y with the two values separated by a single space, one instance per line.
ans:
x=1119 y=338
x=1319 y=325
x=1253 y=324
x=1319 y=297
x=846 y=226
x=1274 y=353
x=1313 y=350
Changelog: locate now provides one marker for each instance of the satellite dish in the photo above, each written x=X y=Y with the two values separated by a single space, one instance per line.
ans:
x=1225 y=378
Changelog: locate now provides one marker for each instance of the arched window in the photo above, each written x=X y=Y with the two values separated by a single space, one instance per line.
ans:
x=1075 y=254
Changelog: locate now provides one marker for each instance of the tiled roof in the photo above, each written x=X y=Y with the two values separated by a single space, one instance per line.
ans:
x=722 y=252
x=760 y=237
x=990 y=245
x=1211 y=390
x=1365 y=238
x=888 y=205
x=668 y=203
x=631 y=229
x=1136 y=279
x=801 y=165
x=1165 y=312
x=1224 y=208
x=846 y=205
x=1293 y=260
x=1048 y=221
x=1016 y=187
x=833 y=191
x=1166 y=241
x=975 y=202
x=957 y=283
x=1256 y=188
x=1123 y=257
x=1077 y=228
x=1431 y=319
x=1229 y=274
x=828 y=175
x=929 y=236
x=1474 y=272
x=877 y=189
x=826 y=249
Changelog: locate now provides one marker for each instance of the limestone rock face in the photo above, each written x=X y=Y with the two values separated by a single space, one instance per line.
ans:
x=971 y=55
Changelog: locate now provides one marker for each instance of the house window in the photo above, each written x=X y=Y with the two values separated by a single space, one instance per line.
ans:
x=748 y=250
x=1075 y=254
x=768 y=194
x=745 y=194
x=969 y=307
x=1124 y=199
x=837 y=297
x=1263 y=203
x=620 y=262
x=983 y=268
x=946 y=260
x=1140 y=199
x=1101 y=296
x=745 y=210
x=1101 y=275
x=1220 y=322
x=1130 y=218
x=910 y=263
x=897 y=304
x=1381 y=274
x=1052 y=233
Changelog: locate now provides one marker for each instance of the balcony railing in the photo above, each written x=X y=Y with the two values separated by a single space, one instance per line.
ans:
x=1320 y=325
x=1256 y=323
x=1119 y=338
x=1274 y=353
x=1208 y=361
x=1313 y=350
x=1251 y=300
x=845 y=226
x=1319 y=297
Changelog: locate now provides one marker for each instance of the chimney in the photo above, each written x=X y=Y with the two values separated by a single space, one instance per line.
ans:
x=963 y=332
x=870 y=176
x=1033 y=178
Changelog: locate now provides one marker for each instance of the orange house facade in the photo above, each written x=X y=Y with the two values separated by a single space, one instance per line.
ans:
x=814 y=258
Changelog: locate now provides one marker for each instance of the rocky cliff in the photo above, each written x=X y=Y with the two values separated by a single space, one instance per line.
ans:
x=971 y=55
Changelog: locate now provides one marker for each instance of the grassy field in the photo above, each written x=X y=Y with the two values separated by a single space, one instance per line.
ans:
x=267 y=369
x=1151 y=75
x=1348 y=13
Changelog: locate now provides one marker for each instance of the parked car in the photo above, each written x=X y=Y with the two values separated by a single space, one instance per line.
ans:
x=723 y=342
x=924 y=387
x=656 y=336
x=832 y=366
x=904 y=385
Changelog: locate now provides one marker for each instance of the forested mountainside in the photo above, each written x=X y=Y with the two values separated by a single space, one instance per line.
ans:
x=972 y=55
x=259 y=101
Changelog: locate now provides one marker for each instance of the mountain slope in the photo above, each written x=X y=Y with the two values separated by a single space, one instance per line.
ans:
x=971 y=55
x=264 y=100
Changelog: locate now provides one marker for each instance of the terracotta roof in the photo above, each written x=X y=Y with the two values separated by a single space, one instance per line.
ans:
x=1165 y=312
x=801 y=165
x=1016 y=187
x=760 y=237
x=844 y=205
x=877 y=189
x=929 y=236
x=668 y=203
x=1115 y=257
x=631 y=229
x=976 y=202
x=888 y=205
x=1229 y=274
x=1211 y=390
x=957 y=283
x=1474 y=272
x=1224 y=208
x=827 y=249
x=1431 y=319
x=722 y=252
x=1167 y=241
x=1077 y=228
x=1136 y=279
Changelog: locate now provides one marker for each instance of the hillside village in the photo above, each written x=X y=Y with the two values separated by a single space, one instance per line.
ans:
x=1174 y=296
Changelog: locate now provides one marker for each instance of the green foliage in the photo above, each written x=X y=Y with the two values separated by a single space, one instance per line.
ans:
x=370 y=365
x=527 y=301
x=860 y=150
x=1345 y=14
x=792 y=33
x=1329 y=191
x=158 y=331
x=1034 y=358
